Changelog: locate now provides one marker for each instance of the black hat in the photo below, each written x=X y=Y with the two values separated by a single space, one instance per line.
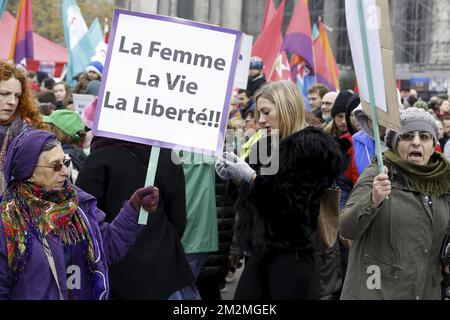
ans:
x=340 y=103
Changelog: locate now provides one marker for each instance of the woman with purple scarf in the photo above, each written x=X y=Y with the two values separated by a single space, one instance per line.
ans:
x=54 y=243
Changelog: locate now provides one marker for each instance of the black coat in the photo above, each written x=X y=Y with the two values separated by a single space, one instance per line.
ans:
x=215 y=268
x=280 y=212
x=77 y=155
x=156 y=265
x=254 y=84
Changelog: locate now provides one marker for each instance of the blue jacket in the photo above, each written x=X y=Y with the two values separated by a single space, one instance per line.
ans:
x=111 y=243
x=364 y=148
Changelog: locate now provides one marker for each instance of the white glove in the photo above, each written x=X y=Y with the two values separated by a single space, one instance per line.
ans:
x=230 y=166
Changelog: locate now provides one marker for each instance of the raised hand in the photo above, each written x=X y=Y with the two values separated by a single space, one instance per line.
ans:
x=381 y=188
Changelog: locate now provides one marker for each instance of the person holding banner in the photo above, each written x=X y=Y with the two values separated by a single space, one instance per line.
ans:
x=54 y=242
x=156 y=266
x=279 y=206
x=17 y=110
x=398 y=220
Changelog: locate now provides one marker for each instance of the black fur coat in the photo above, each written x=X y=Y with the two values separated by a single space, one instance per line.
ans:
x=280 y=211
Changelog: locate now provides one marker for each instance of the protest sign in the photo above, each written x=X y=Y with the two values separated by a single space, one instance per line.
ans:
x=372 y=49
x=169 y=84
x=241 y=77
x=81 y=100
x=381 y=58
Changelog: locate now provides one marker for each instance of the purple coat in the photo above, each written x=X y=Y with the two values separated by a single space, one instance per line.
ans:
x=111 y=242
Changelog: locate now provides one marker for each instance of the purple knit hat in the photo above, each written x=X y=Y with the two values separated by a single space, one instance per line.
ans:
x=23 y=154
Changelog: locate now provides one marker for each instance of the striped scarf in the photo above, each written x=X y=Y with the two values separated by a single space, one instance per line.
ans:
x=27 y=209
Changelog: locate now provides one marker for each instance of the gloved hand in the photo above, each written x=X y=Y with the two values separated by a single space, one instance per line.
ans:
x=230 y=166
x=146 y=198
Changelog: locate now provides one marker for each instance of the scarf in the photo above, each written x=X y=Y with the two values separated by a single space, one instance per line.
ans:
x=28 y=209
x=430 y=179
x=8 y=131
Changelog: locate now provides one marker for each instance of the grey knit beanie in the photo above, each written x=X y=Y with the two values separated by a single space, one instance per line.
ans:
x=412 y=119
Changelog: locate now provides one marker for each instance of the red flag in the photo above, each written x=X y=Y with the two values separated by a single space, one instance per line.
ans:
x=22 y=45
x=326 y=69
x=281 y=71
x=356 y=88
x=302 y=76
x=269 y=13
x=106 y=31
x=268 y=44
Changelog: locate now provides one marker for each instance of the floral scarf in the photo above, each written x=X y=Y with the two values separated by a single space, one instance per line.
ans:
x=28 y=209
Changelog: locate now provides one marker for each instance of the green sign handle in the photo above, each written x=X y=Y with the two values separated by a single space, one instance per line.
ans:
x=376 y=130
x=149 y=180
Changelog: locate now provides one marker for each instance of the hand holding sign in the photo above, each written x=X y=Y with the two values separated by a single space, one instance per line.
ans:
x=147 y=198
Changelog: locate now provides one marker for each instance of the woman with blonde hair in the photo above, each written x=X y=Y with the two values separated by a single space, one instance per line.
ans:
x=284 y=99
x=293 y=117
x=280 y=195
x=17 y=109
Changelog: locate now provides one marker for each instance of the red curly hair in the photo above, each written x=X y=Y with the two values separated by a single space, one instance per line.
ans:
x=26 y=108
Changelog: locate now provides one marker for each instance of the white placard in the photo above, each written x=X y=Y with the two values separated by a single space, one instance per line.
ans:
x=372 y=21
x=167 y=82
x=241 y=77
x=81 y=100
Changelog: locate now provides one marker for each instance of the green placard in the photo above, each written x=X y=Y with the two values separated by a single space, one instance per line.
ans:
x=150 y=180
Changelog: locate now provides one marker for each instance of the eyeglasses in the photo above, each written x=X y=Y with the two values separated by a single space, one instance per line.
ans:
x=409 y=136
x=58 y=166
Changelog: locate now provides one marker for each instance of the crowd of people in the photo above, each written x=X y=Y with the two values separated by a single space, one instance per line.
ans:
x=70 y=201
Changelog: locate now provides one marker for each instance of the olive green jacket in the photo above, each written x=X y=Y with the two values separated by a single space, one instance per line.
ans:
x=395 y=252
